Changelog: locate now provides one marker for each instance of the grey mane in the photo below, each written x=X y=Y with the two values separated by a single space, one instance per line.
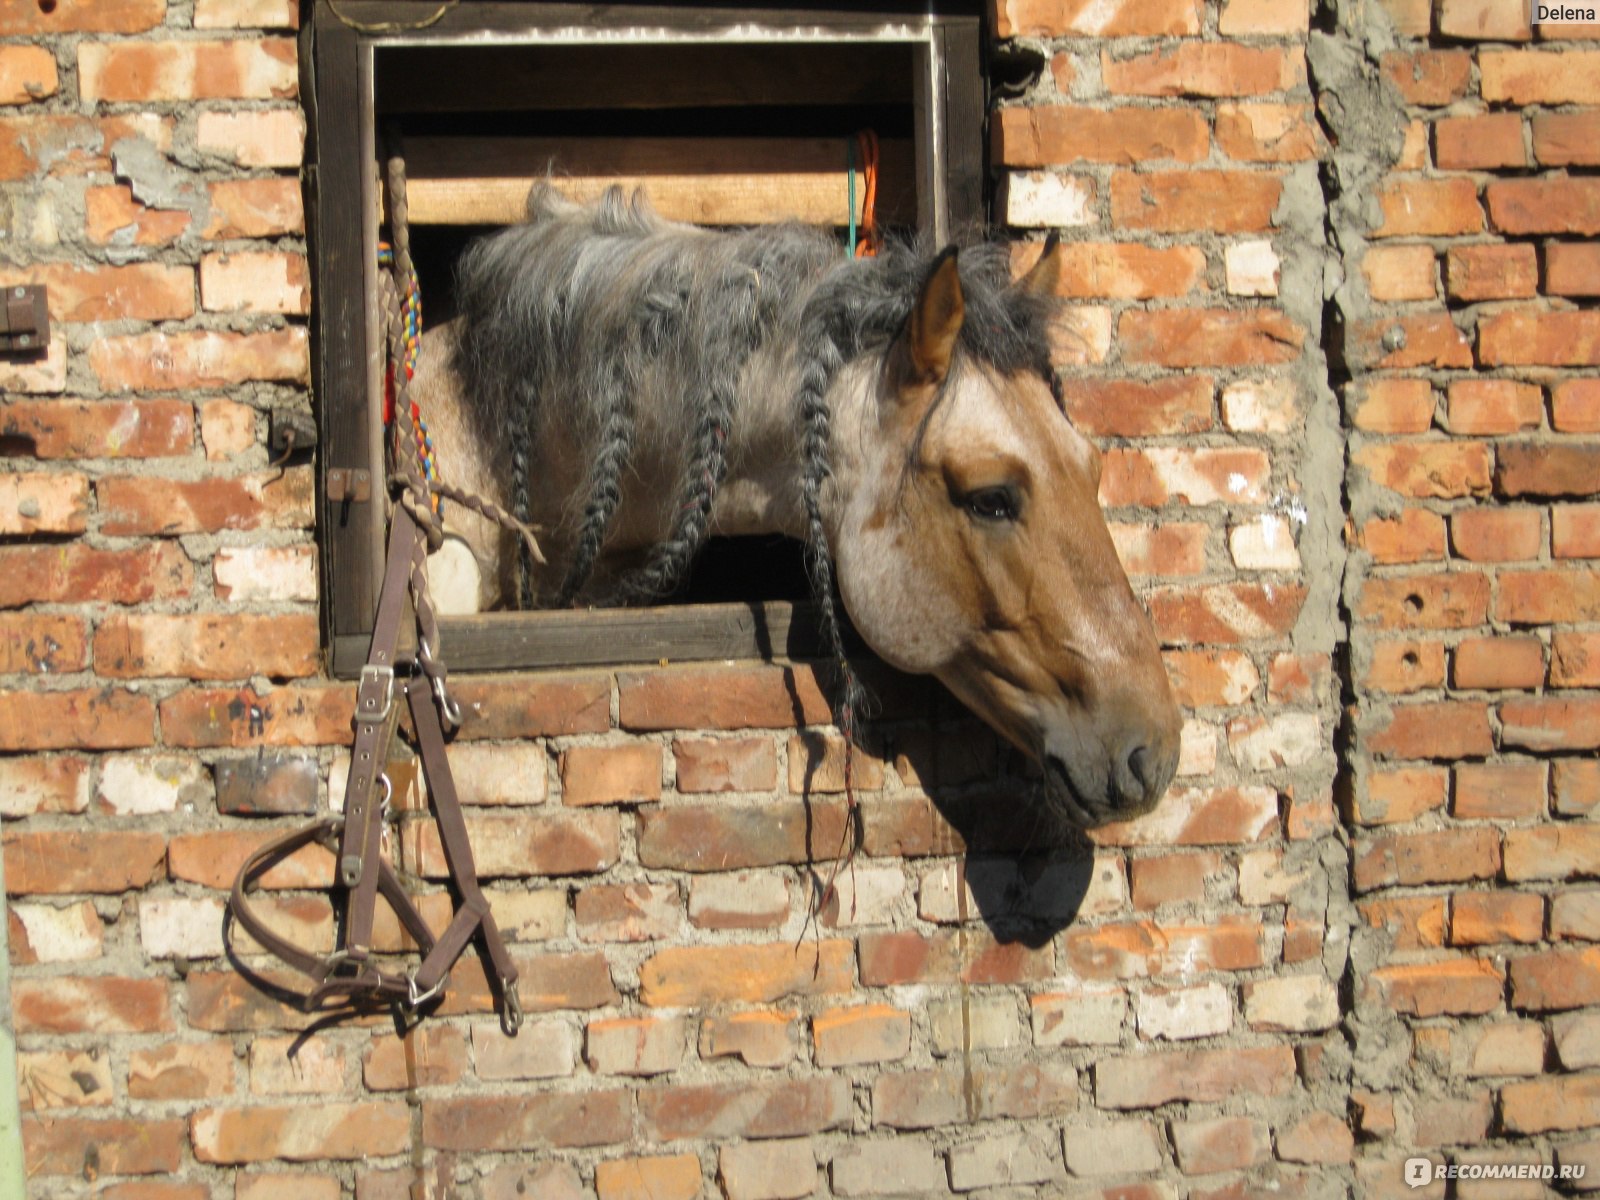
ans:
x=583 y=315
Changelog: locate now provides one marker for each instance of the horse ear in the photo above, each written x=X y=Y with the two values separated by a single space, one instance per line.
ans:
x=1044 y=277
x=935 y=321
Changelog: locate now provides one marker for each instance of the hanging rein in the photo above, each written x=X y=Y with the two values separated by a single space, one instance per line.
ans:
x=351 y=974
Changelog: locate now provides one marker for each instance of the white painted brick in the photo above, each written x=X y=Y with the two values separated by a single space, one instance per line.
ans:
x=1265 y=544
x=1183 y=1013
x=271 y=138
x=132 y=785
x=67 y=933
x=1252 y=269
x=974 y=1023
x=543 y=1049
x=1295 y=1004
x=1046 y=200
x=1001 y=1159
x=1078 y=1018
x=867 y=896
x=1260 y=406
x=180 y=926
x=901 y=1166
x=1119 y=1149
x=1285 y=740
x=257 y=574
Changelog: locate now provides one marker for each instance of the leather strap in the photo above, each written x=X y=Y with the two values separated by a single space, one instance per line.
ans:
x=349 y=973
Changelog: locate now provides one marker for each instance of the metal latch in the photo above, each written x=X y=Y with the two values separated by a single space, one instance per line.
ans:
x=24 y=319
x=349 y=483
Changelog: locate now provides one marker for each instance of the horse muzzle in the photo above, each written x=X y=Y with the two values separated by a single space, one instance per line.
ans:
x=1128 y=784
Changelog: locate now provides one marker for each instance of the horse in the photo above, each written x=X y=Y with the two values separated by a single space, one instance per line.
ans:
x=631 y=385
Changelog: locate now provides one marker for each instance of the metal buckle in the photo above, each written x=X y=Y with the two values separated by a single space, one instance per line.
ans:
x=375 y=673
x=416 y=999
x=511 y=1016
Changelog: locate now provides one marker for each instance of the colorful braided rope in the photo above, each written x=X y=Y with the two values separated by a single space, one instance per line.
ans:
x=412 y=310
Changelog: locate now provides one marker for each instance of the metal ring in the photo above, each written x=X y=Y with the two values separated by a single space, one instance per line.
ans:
x=416 y=999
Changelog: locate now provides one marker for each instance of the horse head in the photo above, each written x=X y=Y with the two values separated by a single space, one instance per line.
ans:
x=970 y=545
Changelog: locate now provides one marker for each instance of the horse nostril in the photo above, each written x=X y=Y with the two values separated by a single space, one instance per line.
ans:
x=1142 y=762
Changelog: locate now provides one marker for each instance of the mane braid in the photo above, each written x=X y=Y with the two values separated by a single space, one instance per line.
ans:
x=605 y=489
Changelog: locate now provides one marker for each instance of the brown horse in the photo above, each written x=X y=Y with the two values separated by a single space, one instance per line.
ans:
x=634 y=384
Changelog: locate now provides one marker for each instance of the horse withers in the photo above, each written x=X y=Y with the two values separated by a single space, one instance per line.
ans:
x=634 y=385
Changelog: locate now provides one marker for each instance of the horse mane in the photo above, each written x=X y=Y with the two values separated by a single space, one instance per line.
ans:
x=597 y=305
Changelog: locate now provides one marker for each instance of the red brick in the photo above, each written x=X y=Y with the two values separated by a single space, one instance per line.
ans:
x=1566 y=139
x=1431 y=469
x=107 y=429
x=1555 y=1103
x=1171 y=550
x=213 y=857
x=300 y=1133
x=1460 y=986
x=1496 y=534
x=426 y=1056
x=858 y=1034
x=1556 y=980
x=63 y=145
x=1401 y=667
x=1225 y=614
x=528 y=1121
x=88 y=1146
x=255 y=208
x=144 y=291
x=255 y=282
x=1119 y=270
x=1393 y=406
x=1397 y=342
x=1172 y=879
x=97 y=719
x=268 y=138
x=1200 y=475
x=1218 y=816
x=1572 y=269
x=1399 y=795
x=930 y=1098
x=721 y=698
x=1202 y=337
x=1550 y=204
x=1194 y=200
x=725 y=1111
x=1546 y=597
x=1401 y=273
x=1560 y=339
x=181 y=1071
x=315 y=715
x=1429 y=77
x=1437 y=729
x=154 y=71
x=888 y=959
x=1493 y=406
x=1494 y=272
x=1319 y=1138
x=708 y=837
x=1209 y=678
x=1484 y=21
x=29 y=786
x=1429 y=208
x=251 y=14
x=165 y=362
x=517 y=707
x=659 y=1177
x=1575 y=659
x=1490 y=918
x=1202 y=1076
x=623 y=774
x=628 y=912
x=1064 y=134
x=1406 y=922
x=1269 y=18
x=521 y=844
x=1547 y=723
x=758 y=974
x=111 y=210
x=1220 y=1144
x=1575 y=406
x=77 y=573
x=1140 y=949
x=1204 y=69
x=1416 y=535
x=757 y=1039
x=41 y=645
x=1482 y=142
x=1575 y=787
x=1275 y=133
x=1575 y=530
x=23 y=19
x=1414 y=859
x=1559 y=469
x=1455 y=600
x=725 y=764
x=1079 y=18
x=1492 y=663
x=101 y=1004
x=35 y=502
x=208 y=646
x=639 y=1046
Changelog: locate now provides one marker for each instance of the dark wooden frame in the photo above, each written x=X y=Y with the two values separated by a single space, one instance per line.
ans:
x=337 y=54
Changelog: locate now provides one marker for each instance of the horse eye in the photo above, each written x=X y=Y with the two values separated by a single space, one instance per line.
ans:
x=992 y=504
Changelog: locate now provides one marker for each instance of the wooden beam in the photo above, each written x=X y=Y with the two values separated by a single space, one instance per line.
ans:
x=707 y=181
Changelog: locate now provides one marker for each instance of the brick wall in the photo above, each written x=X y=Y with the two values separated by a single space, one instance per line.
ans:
x=1327 y=322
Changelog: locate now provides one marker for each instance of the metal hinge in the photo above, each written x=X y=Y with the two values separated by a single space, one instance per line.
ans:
x=349 y=483
x=24 y=320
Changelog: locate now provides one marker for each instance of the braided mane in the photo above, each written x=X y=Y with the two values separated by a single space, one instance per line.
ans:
x=588 y=320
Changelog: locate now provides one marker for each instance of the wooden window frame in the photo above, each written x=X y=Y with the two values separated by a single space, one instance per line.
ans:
x=343 y=201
